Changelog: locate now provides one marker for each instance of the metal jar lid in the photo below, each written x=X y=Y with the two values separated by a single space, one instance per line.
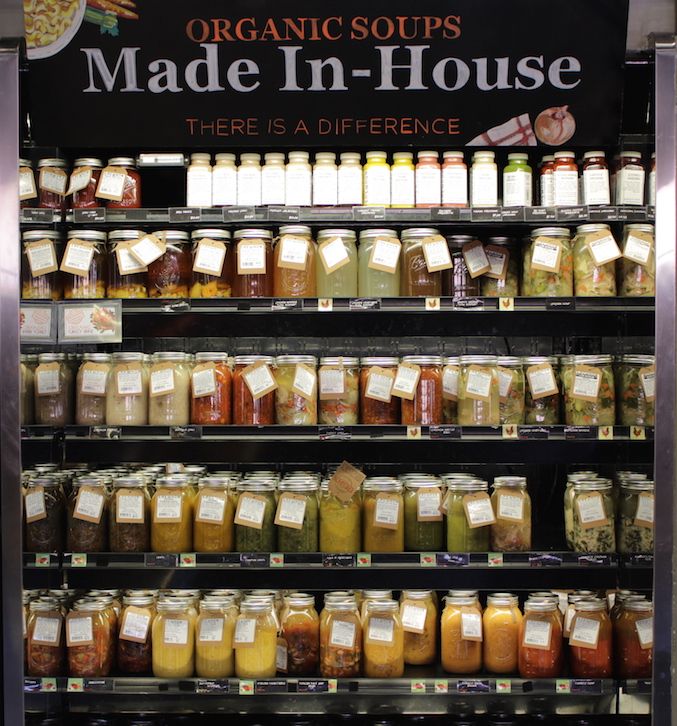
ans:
x=257 y=485
x=127 y=161
x=127 y=357
x=452 y=360
x=288 y=360
x=87 y=235
x=297 y=229
x=590 y=228
x=467 y=485
x=347 y=362
x=534 y=360
x=551 y=232
x=381 y=361
x=175 y=236
x=423 y=360
x=250 y=233
x=382 y=484
x=209 y=356
x=124 y=235
x=458 y=241
x=649 y=228
x=418 y=233
x=97 y=357
x=222 y=235
x=51 y=357
x=644 y=360
x=33 y=235
x=26 y=162
x=129 y=482
x=348 y=234
x=88 y=161
x=509 y=361
x=298 y=485
x=165 y=355
x=483 y=360
x=52 y=162
x=592 y=360
x=516 y=482
x=501 y=241
x=377 y=233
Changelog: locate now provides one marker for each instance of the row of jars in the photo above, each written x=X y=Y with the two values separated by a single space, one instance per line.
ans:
x=210 y=263
x=211 y=388
x=90 y=184
x=225 y=633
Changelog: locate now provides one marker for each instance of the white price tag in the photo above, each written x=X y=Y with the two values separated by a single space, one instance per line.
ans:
x=541 y=380
x=511 y=506
x=305 y=381
x=478 y=383
x=41 y=257
x=176 y=632
x=47 y=630
x=79 y=180
x=406 y=381
x=413 y=618
x=478 y=509
x=342 y=634
x=385 y=255
x=204 y=382
x=80 y=630
x=604 y=250
x=53 y=180
x=537 y=634
x=211 y=630
x=387 y=511
x=34 y=503
x=450 y=378
x=130 y=508
x=332 y=381
x=251 y=510
x=591 y=509
x=48 y=382
x=94 y=382
x=546 y=255
x=293 y=252
x=89 y=504
x=211 y=509
x=436 y=254
x=209 y=257
x=471 y=626
x=162 y=381
x=127 y=263
x=259 y=380
x=333 y=254
x=136 y=625
x=381 y=630
x=245 y=631
x=379 y=386
x=111 y=184
x=168 y=506
x=129 y=383
x=586 y=383
x=638 y=250
x=645 y=633
x=585 y=632
x=147 y=249
x=504 y=382
x=428 y=504
x=251 y=258
x=291 y=510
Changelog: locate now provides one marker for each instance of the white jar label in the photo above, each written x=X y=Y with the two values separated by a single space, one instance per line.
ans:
x=381 y=630
x=34 y=503
x=644 y=629
x=511 y=507
x=546 y=255
x=402 y=186
x=129 y=508
x=638 y=250
x=504 y=383
x=547 y=190
x=385 y=255
x=249 y=186
x=48 y=381
x=204 y=382
x=413 y=618
x=630 y=186
x=483 y=185
x=478 y=510
x=41 y=257
x=129 y=383
x=298 y=186
x=111 y=184
x=478 y=384
x=517 y=189
x=436 y=253
x=380 y=385
x=334 y=255
x=377 y=185
x=147 y=249
x=291 y=511
x=250 y=511
x=406 y=381
x=79 y=630
x=47 y=630
x=245 y=631
x=498 y=262
x=293 y=252
x=342 y=634
x=162 y=382
x=585 y=633
x=93 y=382
x=79 y=180
x=175 y=632
x=259 y=380
x=53 y=180
x=251 y=258
x=27 y=188
x=168 y=506
x=428 y=506
x=596 y=186
x=644 y=514
x=537 y=634
x=565 y=188
x=211 y=509
x=591 y=510
x=428 y=185
x=77 y=258
x=209 y=257
x=135 y=626
x=587 y=381
x=199 y=187
x=450 y=378
x=475 y=259
x=211 y=630
x=272 y=185
x=455 y=185
x=648 y=379
x=332 y=382
x=471 y=626
x=350 y=185
x=224 y=186
x=89 y=505
x=541 y=379
x=127 y=263
x=325 y=185
x=387 y=511
x=604 y=249
x=305 y=381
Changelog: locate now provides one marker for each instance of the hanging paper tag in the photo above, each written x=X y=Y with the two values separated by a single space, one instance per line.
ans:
x=413 y=617
x=542 y=381
x=644 y=629
x=475 y=258
x=168 y=508
x=638 y=247
x=162 y=379
x=342 y=634
x=93 y=378
x=41 y=257
x=211 y=508
x=47 y=630
x=27 y=188
x=112 y=183
x=128 y=380
x=498 y=257
x=211 y=630
x=34 y=504
x=537 y=634
x=584 y=633
x=387 y=511
x=436 y=253
x=251 y=509
x=648 y=378
x=175 y=631
x=603 y=247
x=644 y=516
x=478 y=383
x=504 y=383
x=129 y=506
x=546 y=254
x=591 y=510
x=385 y=254
x=53 y=180
x=305 y=382
x=428 y=505
x=587 y=381
x=332 y=382
x=80 y=178
x=471 y=627
x=245 y=633
x=291 y=510
x=450 y=377
x=510 y=507
x=380 y=384
x=88 y=505
x=127 y=263
x=147 y=249
x=135 y=624
x=333 y=254
x=251 y=257
x=293 y=253
x=478 y=510
x=77 y=258
x=282 y=656
x=260 y=381
x=406 y=381
x=345 y=481
x=209 y=257
x=48 y=379
x=203 y=380
x=79 y=630
x=380 y=630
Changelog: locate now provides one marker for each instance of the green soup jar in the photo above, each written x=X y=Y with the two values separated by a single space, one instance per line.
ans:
x=423 y=519
x=250 y=537
x=461 y=537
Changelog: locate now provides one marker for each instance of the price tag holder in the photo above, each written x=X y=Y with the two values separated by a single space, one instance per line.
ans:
x=284 y=214
x=239 y=214
x=540 y=214
x=185 y=214
x=366 y=214
x=364 y=303
x=89 y=216
x=37 y=216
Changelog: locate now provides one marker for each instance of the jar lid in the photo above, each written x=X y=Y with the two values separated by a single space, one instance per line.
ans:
x=87 y=235
x=122 y=161
x=517 y=482
x=44 y=481
x=300 y=229
x=457 y=241
x=220 y=234
x=547 y=158
x=175 y=236
x=44 y=605
x=251 y=157
x=427 y=155
x=251 y=233
x=468 y=485
x=127 y=357
x=138 y=600
x=351 y=156
x=592 y=359
x=631 y=154
x=487 y=360
x=501 y=241
x=217 y=604
x=509 y=361
x=591 y=486
x=533 y=360
x=421 y=483
x=589 y=228
x=131 y=482
x=119 y=235
x=176 y=604
x=33 y=235
x=647 y=360
x=90 y=605
x=209 y=356
x=417 y=594
x=167 y=355
x=452 y=155
x=245 y=360
x=287 y=360
x=649 y=228
x=259 y=485
x=299 y=599
x=382 y=484
x=540 y=606
x=483 y=155
x=88 y=161
x=200 y=158
x=51 y=357
x=452 y=360
x=374 y=233
x=53 y=162
x=418 y=233
x=551 y=232
x=377 y=155
x=347 y=362
x=638 y=606
x=594 y=154
x=26 y=162
x=638 y=486
x=298 y=485
x=518 y=157
x=423 y=360
x=384 y=605
x=325 y=156
x=565 y=155
x=459 y=601
x=273 y=157
x=225 y=157
x=256 y=606
x=347 y=233
x=171 y=482
x=299 y=156
x=382 y=361
x=214 y=482
x=336 y=605
x=377 y=594
x=97 y=357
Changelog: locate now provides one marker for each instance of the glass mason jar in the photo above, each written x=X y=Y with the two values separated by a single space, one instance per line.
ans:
x=45 y=507
x=53 y=390
x=340 y=639
x=133 y=285
x=636 y=517
x=91 y=284
x=541 y=644
x=291 y=538
x=508 y=286
x=592 y=377
x=461 y=537
x=457 y=282
x=87 y=516
x=41 y=285
x=478 y=391
x=423 y=519
x=633 y=640
x=135 y=657
x=557 y=280
x=418 y=612
x=590 y=278
x=211 y=388
x=131 y=191
x=248 y=411
x=415 y=280
x=593 y=519
x=254 y=251
x=85 y=198
x=173 y=636
x=538 y=408
x=291 y=408
x=426 y=406
x=208 y=285
x=255 y=640
x=91 y=385
x=637 y=276
x=337 y=268
x=512 y=506
x=461 y=617
x=383 y=640
x=340 y=523
x=50 y=198
x=170 y=275
x=301 y=631
x=450 y=378
x=634 y=408
x=339 y=391
x=214 y=631
x=127 y=393
x=91 y=621
x=45 y=639
x=28 y=189
x=171 y=509
x=379 y=282
x=511 y=390
x=591 y=625
x=375 y=412
x=501 y=622
x=256 y=507
x=169 y=390
x=27 y=389
x=299 y=280
x=129 y=515
x=214 y=510
x=383 y=515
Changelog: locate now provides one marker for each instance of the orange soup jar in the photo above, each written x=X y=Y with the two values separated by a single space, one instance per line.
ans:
x=461 y=640
x=540 y=640
x=211 y=390
x=247 y=410
x=426 y=406
x=378 y=407
x=501 y=620
x=633 y=635
x=590 y=641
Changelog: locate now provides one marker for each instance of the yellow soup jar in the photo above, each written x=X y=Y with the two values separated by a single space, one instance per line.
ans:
x=255 y=640
x=173 y=638
x=214 y=510
x=340 y=522
x=214 y=655
x=171 y=508
x=501 y=622
x=461 y=636
x=383 y=640
x=418 y=612
x=383 y=515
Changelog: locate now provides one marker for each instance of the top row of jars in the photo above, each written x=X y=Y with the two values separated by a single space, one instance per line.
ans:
x=430 y=182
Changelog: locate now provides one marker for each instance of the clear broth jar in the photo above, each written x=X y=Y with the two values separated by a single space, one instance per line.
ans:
x=169 y=390
x=53 y=390
x=45 y=249
x=91 y=385
x=254 y=251
x=295 y=282
x=340 y=281
x=128 y=286
x=379 y=282
x=558 y=280
x=206 y=285
x=478 y=391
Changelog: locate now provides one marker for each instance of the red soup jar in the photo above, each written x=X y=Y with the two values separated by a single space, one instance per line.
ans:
x=86 y=198
x=52 y=172
x=246 y=410
x=171 y=274
x=213 y=408
x=131 y=191
x=426 y=406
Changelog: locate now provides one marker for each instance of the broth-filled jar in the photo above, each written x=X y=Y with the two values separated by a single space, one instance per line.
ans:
x=211 y=390
x=461 y=635
x=418 y=613
x=457 y=282
x=90 y=634
x=129 y=515
x=383 y=515
x=301 y=632
x=547 y=263
x=173 y=636
x=592 y=504
x=378 y=407
x=540 y=650
x=127 y=393
x=84 y=265
x=478 y=391
x=595 y=253
x=636 y=517
x=337 y=267
x=53 y=390
x=214 y=631
x=213 y=264
x=541 y=395
x=91 y=385
x=340 y=639
x=40 y=275
x=426 y=405
x=589 y=390
x=416 y=280
x=296 y=393
x=383 y=640
x=52 y=184
x=636 y=390
x=134 y=643
x=469 y=516
x=169 y=276
x=379 y=263
x=501 y=624
x=254 y=390
x=169 y=390
x=45 y=510
x=450 y=377
x=340 y=522
x=590 y=641
x=127 y=277
x=503 y=278
x=637 y=267
x=510 y=390
x=297 y=515
x=45 y=639
x=131 y=188
x=84 y=180
x=512 y=505
x=339 y=394
x=255 y=517
x=214 y=511
x=87 y=516
x=28 y=190
x=423 y=519
x=255 y=640
x=294 y=257
x=171 y=509
x=633 y=639
x=254 y=263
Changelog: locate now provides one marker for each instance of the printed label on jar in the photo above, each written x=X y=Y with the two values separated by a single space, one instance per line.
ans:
x=436 y=253
x=648 y=378
x=129 y=382
x=596 y=186
x=34 y=503
x=471 y=627
x=478 y=383
x=259 y=379
x=79 y=180
x=591 y=510
x=565 y=188
x=291 y=510
x=385 y=254
x=129 y=506
x=127 y=263
x=569 y=614
x=245 y=632
x=345 y=481
x=542 y=382
x=293 y=252
x=638 y=247
x=305 y=381
x=450 y=377
x=332 y=382
x=209 y=257
x=211 y=509
x=211 y=630
x=342 y=634
x=484 y=185
x=88 y=505
x=413 y=618
x=546 y=254
x=537 y=634
x=644 y=515
x=475 y=258
x=168 y=508
x=79 y=630
x=53 y=180
x=175 y=632
x=41 y=257
x=498 y=258
x=46 y=630
x=147 y=249
x=455 y=185
x=630 y=186
x=251 y=257
x=251 y=509
x=350 y=184
x=93 y=379
x=504 y=383
x=478 y=510
x=380 y=630
x=587 y=381
x=48 y=379
x=135 y=624
x=429 y=505
x=281 y=656
x=644 y=629
x=77 y=258
x=204 y=380
x=585 y=632
x=517 y=189
x=406 y=381
x=162 y=380
x=27 y=188
x=510 y=507
x=325 y=185
x=112 y=183
x=380 y=384
x=333 y=254
x=387 y=511
x=603 y=247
